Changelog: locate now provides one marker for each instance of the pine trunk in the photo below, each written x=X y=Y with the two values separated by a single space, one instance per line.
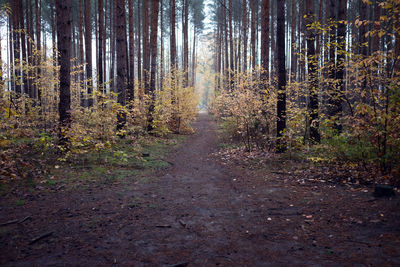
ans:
x=280 y=62
x=63 y=10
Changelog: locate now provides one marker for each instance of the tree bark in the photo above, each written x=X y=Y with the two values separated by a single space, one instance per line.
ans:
x=146 y=46
x=153 y=49
x=101 y=43
x=313 y=108
x=88 y=52
x=131 y=52
x=120 y=21
x=244 y=25
x=185 y=27
x=173 y=36
x=64 y=20
x=280 y=62
x=253 y=33
x=265 y=41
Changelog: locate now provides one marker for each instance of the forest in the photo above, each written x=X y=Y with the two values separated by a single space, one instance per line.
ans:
x=117 y=102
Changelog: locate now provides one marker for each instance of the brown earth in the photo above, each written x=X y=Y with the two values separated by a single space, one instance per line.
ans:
x=200 y=212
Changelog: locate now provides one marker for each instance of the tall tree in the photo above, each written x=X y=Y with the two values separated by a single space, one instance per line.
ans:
x=244 y=30
x=173 y=35
x=101 y=43
x=336 y=88
x=120 y=20
x=231 y=66
x=64 y=21
x=81 y=55
x=131 y=52
x=280 y=62
x=88 y=51
x=153 y=42
x=185 y=31
x=253 y=32
x=146 y=46
x=38 y=11
x=313 y=109
x=265 y=39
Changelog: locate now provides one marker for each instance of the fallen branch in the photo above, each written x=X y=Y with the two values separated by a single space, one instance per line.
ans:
x=285 y=214
x=16 y=221
x=182 y=264
x=40 y=237
x=163 y=226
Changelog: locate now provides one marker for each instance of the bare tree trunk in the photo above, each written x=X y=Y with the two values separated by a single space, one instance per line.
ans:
x=253 y=33
x=146 y=48
x=185 y=26
x=280 y=62
x=120 y=21
x=38 y=47
x=194 y=58
x=81 y=55
x=139 y=48
x=232 y=66
x=244 y=24
x=101 y=43
x=313 y=108
x=88 y=51
x=173 y=36
x=131 y=90
x=153 y=41
x=265 y=41
x=63 y=10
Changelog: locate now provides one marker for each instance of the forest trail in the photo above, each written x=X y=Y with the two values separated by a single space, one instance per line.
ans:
x=201 y=213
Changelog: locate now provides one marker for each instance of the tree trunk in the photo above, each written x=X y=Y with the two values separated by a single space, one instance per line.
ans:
x=39 y=48
x=185 y=27
x=173 y=36
x=139 y=48
x=153 y=42
x=120 y=21
x=265 y=41
x=146 y=48
x=244 y=25
x=81 y=56
x=101 y=43
x=23 y=45
x=313 y=122
x=231 y=66
x=17 y=45
x=88 y=51
x=280 y=62
x=64 y=20
x=194 y=57
x=253 y=33
x=131 y=89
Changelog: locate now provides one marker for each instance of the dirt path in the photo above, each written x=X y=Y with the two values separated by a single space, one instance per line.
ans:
x=200 y=213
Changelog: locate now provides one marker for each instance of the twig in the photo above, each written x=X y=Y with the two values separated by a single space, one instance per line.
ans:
x=163 y=226
x=9 y=222
x=40 y=237
x=181 y=264
x=283 y=214
x=16 y=221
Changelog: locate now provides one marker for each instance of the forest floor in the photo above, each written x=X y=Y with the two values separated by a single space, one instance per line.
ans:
x=203 y=210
